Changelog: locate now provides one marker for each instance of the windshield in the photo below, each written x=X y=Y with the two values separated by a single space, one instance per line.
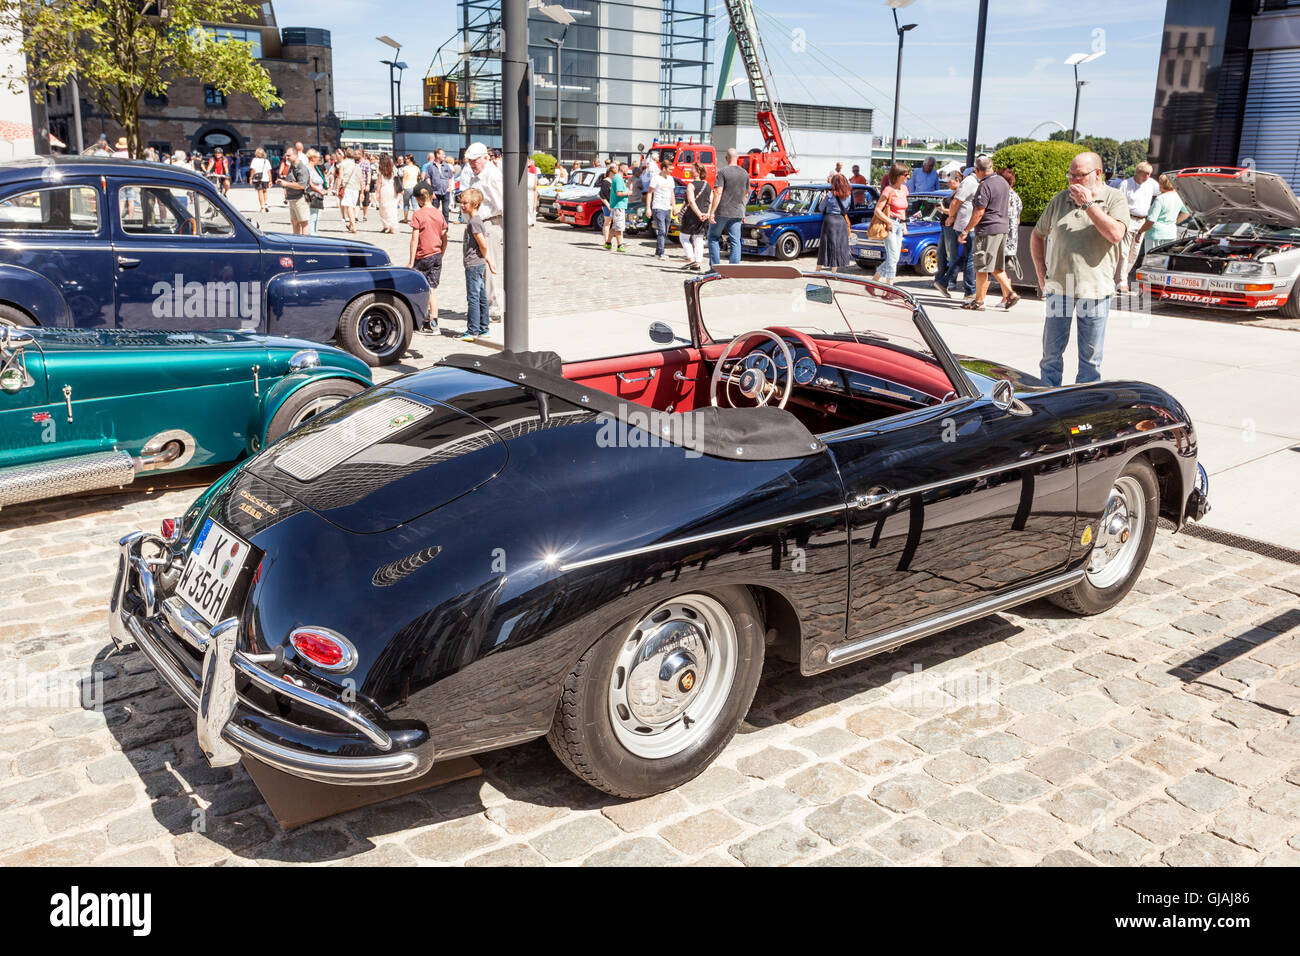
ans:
x=796 y=201
x=667 y=157
x=816 y=305
x=925 y=209
x=1255 y=230
x=583 y=177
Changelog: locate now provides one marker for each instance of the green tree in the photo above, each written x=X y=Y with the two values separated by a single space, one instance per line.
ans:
x=1012 y=141
x=544 y=162
x=119 y=50
x=1040 y=172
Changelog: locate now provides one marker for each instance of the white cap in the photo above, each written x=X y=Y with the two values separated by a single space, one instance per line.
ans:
x=476 y=151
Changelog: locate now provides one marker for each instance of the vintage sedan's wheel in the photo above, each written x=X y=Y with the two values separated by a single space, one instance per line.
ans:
x=376 y=328
x=929 y=262
x=651 y=705
x=11 y=316
x=1120 y=544
x=788 y=246
x=308 y=402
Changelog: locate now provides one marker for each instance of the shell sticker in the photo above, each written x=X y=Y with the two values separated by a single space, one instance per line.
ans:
x=1087 y=536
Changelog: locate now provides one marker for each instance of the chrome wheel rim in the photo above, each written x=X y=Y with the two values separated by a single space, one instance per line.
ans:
x=1119 y=534
x=314 y=408
x=673 y=676
x=789 y=246
x=379 y=328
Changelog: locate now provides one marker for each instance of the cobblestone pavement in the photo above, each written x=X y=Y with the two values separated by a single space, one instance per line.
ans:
x=1163 y=732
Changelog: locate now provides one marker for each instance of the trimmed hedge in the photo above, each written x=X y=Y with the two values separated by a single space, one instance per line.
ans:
x=1040 y=172
x=544 y=162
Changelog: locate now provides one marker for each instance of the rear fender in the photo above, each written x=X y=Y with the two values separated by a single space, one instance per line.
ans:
x=283 y=389
x=309 y=304
x=34 y=294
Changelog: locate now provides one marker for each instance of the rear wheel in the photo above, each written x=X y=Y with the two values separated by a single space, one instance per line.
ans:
x=767 y=195
x=308 y=402
x=1121 y=541
x=376 y=328
x=12 y=316
x=928 y=264
x=655 y=701
x=788 y=246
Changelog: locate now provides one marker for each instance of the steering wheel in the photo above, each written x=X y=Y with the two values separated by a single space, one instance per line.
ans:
x=754 y=383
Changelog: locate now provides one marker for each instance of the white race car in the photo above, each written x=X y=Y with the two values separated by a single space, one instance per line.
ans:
x=1249 y=256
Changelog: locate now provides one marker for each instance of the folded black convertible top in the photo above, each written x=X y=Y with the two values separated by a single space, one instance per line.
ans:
x=760 y=434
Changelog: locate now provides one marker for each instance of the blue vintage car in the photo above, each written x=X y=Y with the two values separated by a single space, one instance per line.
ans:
x=123 y=244
x=920 y=245
x=82 y=409
x=792 y=225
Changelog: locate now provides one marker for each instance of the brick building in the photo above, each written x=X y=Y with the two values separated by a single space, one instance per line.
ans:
x=195 y=116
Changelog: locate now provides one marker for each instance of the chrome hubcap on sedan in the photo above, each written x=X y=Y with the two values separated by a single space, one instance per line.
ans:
x=380 y=329
x=673 y=676
x=1119 y=534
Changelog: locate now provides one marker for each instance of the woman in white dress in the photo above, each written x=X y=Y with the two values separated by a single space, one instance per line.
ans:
x=260 y=168
x=389 y=192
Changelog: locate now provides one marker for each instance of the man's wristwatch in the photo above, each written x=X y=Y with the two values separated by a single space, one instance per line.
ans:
x=1090 y=202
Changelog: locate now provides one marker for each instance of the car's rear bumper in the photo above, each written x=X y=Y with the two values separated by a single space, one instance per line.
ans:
x=244 y=708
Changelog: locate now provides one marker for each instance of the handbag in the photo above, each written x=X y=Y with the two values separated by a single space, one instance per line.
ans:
x=880 y=225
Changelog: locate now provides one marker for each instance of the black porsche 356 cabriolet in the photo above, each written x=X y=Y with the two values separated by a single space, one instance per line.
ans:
x=504 y=547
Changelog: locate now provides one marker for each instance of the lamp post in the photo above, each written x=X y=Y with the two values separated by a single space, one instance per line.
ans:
x=895 y=6
x=1074 y=60
x=391 y=64
x=559 y=83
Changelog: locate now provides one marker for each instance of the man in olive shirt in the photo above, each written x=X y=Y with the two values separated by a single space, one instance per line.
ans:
x=1086 y=221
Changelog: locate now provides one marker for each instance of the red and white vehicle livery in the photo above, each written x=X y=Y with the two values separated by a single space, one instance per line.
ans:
x=1249 y=257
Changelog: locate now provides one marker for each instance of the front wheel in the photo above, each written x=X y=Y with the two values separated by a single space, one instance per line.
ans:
x=928 y=264
x=655 y=701
x=1121 y=541
x=1290 y=309
x=788 y=246
x=767 y=195
x=376 y=329
x=11 y=316
x=308 y=402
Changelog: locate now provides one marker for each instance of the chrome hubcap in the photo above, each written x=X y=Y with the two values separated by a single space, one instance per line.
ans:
x=673 y=676
x=1119 y=534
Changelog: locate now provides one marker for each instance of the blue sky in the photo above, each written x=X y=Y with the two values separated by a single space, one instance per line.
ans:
x=848 y=57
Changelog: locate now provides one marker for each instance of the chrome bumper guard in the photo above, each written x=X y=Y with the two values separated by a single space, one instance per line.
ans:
x=216 y=700
x=1198 y=502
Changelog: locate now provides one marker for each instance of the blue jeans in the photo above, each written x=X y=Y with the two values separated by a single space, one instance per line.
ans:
x=476 y=309
x=950 y=256
x=313 y=218
x=445 y=202
x=731 y=226
x=662 y=220
x=888 y=268
x=1061 y=311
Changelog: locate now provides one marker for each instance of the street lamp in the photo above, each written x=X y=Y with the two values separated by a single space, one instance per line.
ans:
x=316 y=78
x=895 y=6
x=559 y=83
x=1074 y=60
x=391 y=64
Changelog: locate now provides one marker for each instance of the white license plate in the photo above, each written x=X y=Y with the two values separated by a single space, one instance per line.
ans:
x=1185 y=282
x=750 y=242
x=869 y=253
x=212 y=570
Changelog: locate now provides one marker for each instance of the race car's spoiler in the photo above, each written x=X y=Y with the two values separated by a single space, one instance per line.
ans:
x=757 y=434
x=1231 y=194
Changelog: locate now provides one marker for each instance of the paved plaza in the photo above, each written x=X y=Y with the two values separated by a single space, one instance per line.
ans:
x=1166 y=731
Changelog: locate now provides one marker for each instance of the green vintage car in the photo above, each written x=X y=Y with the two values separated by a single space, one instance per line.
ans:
x=82 y=409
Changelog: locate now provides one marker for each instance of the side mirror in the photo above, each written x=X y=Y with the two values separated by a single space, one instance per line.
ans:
x=820 y=293
x=661 y=333
x=1003 y=394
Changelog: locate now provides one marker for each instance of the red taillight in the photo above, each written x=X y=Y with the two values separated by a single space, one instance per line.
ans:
x=168 y=529
x=323 y=648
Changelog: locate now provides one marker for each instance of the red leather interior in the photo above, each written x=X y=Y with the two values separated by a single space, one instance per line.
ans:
x=666 y=390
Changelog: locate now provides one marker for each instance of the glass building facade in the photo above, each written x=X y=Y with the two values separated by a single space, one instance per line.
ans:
x=624 y=73
x=1228 y=86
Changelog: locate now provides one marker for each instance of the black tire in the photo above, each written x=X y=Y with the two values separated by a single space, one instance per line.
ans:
x=583 y=734
x=1290 y=309
x=928 y=264
x=1093 y=594
x=788 y=246
x=767 y=195
x=598 y=221
x=376 y=328
x=309 y=401
x=12 y=316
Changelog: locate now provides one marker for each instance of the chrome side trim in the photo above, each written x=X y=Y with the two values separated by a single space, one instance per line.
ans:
x=890 y=496
x=902 y=635
x=706 y=536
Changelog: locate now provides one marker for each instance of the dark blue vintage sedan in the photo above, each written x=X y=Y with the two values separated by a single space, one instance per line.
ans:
x=792 y=225
x=115 y=243
x=921 y=244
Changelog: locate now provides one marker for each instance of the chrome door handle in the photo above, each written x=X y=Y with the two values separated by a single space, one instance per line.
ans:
x=124 y=262
x=877 y=496
x=627 y=381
